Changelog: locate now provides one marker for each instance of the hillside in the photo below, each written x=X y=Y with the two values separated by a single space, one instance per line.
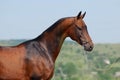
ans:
x=103 y=63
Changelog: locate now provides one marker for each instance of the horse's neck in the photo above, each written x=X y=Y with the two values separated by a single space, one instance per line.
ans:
x=54 y=37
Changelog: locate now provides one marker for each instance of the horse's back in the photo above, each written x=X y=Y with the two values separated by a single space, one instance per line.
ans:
x=13 y=51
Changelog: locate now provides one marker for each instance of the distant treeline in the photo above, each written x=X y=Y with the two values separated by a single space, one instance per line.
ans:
x=11 y=42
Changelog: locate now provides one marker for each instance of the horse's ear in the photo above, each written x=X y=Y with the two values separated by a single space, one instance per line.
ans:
x=78 y=16
x=83 y=15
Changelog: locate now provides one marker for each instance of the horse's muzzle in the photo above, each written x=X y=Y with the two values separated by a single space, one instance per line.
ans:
x=88 y=46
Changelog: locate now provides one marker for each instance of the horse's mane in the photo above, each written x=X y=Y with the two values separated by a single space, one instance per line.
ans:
x=52 y=27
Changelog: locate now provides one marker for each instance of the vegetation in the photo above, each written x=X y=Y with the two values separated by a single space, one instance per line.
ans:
x=73 y=63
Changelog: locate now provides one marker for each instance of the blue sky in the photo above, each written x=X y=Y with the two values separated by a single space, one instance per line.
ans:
x=26 y=19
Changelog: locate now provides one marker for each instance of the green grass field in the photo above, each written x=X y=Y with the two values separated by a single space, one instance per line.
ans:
x=103 y=63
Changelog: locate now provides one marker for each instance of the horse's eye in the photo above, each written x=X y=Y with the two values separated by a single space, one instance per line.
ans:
x=79 y=28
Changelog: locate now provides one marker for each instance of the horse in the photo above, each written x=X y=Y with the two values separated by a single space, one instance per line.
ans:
x=35 y=59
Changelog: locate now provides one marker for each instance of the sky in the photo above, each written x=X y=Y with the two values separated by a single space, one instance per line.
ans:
x=26 y=19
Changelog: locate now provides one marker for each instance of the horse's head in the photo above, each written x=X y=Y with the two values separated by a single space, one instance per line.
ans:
x=78 y=32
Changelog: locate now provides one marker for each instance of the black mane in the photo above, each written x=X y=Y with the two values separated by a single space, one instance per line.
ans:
x=52 y=27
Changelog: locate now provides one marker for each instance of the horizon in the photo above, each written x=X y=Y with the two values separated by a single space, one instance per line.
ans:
x=66 y=40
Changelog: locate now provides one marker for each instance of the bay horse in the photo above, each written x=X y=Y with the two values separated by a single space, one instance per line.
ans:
x=35 y=59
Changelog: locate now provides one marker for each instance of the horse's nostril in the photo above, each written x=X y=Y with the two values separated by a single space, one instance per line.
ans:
x=91 y=47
